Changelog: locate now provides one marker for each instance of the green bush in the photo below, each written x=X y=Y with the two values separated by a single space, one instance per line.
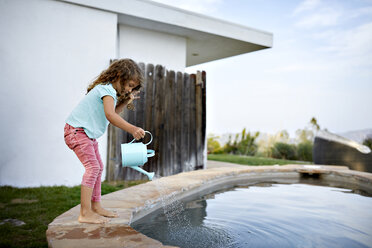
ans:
x=305 y=151
x=213 y=145
x=284 y=151
x=218 y=150
x=231 y=147
x=245 y=144
x=368 y=142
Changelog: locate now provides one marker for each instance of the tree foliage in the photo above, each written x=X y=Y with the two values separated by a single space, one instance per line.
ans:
x=213 y=146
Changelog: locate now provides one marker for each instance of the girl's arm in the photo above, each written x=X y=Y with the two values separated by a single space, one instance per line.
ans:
x=119 y=108
x=117 y=121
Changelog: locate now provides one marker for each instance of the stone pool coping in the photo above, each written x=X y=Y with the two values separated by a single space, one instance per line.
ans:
x=136 y=202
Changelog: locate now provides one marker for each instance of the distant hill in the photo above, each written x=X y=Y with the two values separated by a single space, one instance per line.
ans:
x=356 y=135
x=224 y=138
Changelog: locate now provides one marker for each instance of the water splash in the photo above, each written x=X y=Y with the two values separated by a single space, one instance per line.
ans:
x=178 y=224
x=179 y=229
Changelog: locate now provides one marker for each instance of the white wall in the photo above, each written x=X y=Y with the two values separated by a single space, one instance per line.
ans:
x=143 y=45
x=49 y=52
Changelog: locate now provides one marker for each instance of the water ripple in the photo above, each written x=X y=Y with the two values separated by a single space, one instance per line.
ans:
x=295 y=215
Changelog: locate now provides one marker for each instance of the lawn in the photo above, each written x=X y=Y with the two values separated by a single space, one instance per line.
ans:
x=37 y=207
x=252 y=160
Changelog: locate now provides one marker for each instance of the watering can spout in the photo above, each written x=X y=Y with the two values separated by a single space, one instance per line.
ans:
x=150 y=175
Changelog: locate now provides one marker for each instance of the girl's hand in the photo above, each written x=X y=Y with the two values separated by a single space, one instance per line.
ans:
x=138 y=133
x=133 y=96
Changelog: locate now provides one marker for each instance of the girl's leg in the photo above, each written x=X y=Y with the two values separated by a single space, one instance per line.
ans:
x=96 y=197
x=85 y=151
x=87 y=215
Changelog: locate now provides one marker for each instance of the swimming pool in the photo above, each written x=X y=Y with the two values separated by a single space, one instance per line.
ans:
x=266 y=215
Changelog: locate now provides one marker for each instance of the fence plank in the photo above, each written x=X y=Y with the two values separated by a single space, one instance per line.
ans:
x=204 y=116
x=171 y=128
x=166 y=146
x=140 y=103
x=125 y=137
x=198 y=120
x=159 y=117
x=111 y=136
x=178 y=122
x=186 y=123
x=192 y=122
x=149 y=109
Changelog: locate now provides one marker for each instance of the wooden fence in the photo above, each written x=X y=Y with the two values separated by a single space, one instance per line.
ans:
x=172 y=106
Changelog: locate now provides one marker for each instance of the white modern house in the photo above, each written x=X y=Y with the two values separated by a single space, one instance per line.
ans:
x=50 y=50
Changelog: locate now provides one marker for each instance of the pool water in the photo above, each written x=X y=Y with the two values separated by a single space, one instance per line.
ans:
x=266 y=215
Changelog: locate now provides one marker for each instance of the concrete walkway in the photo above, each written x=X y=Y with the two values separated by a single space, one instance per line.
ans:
x=217 y=164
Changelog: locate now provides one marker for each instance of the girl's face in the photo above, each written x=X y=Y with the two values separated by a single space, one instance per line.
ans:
x=129 y=86
x=125 y=89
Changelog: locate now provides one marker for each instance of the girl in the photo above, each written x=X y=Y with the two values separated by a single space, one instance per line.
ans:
x=106 y=97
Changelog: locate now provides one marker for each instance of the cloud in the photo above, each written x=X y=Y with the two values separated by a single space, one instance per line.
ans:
x=298 y=67
x=353 y=46
x=365 y=11
x=322 y=17
x=341 y=34
x=320 y=14
x=306 y=6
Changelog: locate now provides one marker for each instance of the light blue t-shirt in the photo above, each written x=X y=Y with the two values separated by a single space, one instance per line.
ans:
x=89 y=113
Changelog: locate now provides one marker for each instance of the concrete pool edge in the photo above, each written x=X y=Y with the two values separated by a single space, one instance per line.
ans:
x=138 y=201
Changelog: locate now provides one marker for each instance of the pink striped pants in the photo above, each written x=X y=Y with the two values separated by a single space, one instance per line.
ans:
x=86 y=150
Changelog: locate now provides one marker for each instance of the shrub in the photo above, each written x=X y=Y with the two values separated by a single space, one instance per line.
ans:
x=213 y=145
x=218 y=150
x=284 y=151
x=368 y=142
x=231 y=147
x=243 y=145
x=247 y=145
x=305 y=151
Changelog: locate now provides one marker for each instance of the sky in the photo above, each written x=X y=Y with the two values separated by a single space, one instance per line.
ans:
x=320 y=66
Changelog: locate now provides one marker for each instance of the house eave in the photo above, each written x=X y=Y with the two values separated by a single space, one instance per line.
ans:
x=208 y=38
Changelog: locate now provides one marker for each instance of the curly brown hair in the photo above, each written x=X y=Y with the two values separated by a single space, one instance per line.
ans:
x=125 y=70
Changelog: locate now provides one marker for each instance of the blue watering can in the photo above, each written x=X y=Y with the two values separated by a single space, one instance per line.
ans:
x=134 y=155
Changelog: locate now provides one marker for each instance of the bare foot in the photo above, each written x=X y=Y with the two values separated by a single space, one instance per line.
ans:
x=104 y=212
x=92 y=217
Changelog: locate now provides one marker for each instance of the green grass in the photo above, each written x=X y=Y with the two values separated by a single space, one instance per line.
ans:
x=251 y=160
x=51 y=202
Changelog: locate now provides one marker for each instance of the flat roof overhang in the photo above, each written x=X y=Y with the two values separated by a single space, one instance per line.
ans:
x=207 y=38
